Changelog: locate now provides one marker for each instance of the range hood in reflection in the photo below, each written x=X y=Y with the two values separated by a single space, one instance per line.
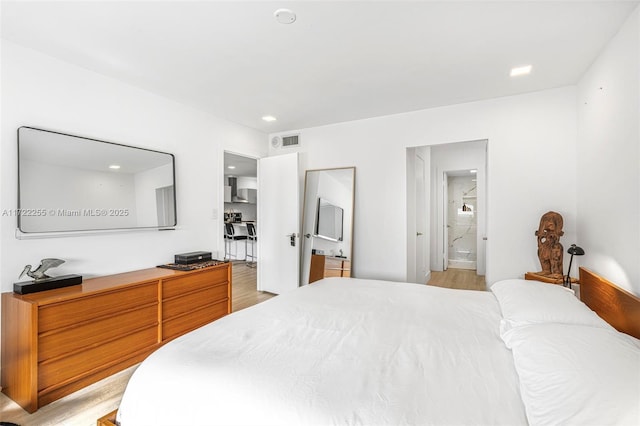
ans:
x=235 y=196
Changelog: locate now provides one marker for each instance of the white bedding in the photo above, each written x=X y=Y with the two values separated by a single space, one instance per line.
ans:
x=340 y=351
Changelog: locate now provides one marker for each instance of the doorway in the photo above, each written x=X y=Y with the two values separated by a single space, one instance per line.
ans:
x=462 y=163
x=461 y=220
x=430 y=167
x=240 y=211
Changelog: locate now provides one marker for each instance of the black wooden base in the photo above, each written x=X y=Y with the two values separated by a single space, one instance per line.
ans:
x=27 y=287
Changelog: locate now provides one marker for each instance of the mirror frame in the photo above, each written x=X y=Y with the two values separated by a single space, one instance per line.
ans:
x=308 y=229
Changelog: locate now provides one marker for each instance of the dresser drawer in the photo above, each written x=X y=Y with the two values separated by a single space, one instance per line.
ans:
x=332 y=273
x=58 y=341
x=177 y=286
x=184 y=323
x=94 y=333
x=192 y=301
x=74 y=311
x=330 y=263
x=74 y=365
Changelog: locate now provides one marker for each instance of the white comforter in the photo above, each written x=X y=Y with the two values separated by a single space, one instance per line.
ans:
x=340 y=351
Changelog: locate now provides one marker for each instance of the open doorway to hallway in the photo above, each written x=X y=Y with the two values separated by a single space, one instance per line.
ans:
x=430 y=201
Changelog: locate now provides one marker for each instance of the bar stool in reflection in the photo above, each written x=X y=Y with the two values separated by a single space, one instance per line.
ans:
x=252 y=239
x=230 y=237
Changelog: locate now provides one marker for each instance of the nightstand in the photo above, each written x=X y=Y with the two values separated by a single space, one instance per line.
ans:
x=532 y=276
x=575 y=284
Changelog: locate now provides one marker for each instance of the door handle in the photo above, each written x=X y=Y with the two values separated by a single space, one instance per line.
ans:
x=418 y=234
x=307 y=235
x=292 y=239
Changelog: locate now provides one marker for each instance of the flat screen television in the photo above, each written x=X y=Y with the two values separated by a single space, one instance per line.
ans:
x=329 y=220
x=69 y=183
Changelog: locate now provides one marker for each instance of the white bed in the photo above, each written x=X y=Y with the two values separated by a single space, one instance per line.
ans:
x=340 y=351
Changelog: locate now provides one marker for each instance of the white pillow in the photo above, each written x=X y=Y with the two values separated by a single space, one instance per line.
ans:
x=571 y=374
x=530 y=302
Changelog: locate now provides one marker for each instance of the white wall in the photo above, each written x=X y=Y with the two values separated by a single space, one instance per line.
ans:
x=146 y=183
x=608 y=166
x=531 y=169
x=54 y=189
x=41 y=91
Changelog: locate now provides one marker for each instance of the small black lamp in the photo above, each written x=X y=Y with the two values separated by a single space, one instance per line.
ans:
x=573 y=250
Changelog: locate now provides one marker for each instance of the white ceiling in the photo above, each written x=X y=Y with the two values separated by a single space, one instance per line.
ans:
x=242 y=166
x=339 y=61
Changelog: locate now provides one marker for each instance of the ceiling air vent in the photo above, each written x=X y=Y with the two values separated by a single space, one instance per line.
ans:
x=292 y=140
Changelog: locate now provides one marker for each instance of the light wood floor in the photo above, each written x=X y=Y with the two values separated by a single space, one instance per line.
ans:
x=84 y=407
x=244 y=287
x=461 y=279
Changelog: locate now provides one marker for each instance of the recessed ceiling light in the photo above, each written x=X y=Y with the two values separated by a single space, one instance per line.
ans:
x=269 y=118
x=521 y=70
x=231 y=167
x=284 y=16
x=114 y=167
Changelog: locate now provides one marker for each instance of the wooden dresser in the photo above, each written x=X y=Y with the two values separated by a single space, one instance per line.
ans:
x=58 y=341
x=327 y=266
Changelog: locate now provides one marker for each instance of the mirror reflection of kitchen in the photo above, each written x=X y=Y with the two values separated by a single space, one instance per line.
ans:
x=327 y=224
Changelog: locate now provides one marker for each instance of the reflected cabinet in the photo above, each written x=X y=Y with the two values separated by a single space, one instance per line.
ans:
x=326 y=266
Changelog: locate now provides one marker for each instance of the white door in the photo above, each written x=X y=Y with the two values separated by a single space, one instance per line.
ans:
x=421 y=220
x=278 y=224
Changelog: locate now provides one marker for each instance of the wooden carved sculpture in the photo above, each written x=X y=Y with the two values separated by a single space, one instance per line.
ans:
x=550 y=250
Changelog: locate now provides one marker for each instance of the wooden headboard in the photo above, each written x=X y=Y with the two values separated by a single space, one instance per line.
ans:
x=616 y=306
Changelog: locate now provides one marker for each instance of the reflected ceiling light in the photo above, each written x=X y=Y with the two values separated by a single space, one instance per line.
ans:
x=284 y=16
x=520 y=70
x=269 y=118
x=231 y=167
x=473 y=171
x=114 y=167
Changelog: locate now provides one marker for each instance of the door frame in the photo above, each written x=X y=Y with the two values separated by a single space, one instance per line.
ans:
x=445 y=220
x=454 y=161
x=220 y=213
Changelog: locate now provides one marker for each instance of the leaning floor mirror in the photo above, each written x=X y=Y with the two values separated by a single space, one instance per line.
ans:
x=327 y=224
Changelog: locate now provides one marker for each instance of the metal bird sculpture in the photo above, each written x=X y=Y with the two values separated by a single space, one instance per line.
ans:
x=39 y=273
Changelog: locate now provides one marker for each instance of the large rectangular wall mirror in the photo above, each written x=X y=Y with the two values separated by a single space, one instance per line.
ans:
x=69 y=183
x=327 y=224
